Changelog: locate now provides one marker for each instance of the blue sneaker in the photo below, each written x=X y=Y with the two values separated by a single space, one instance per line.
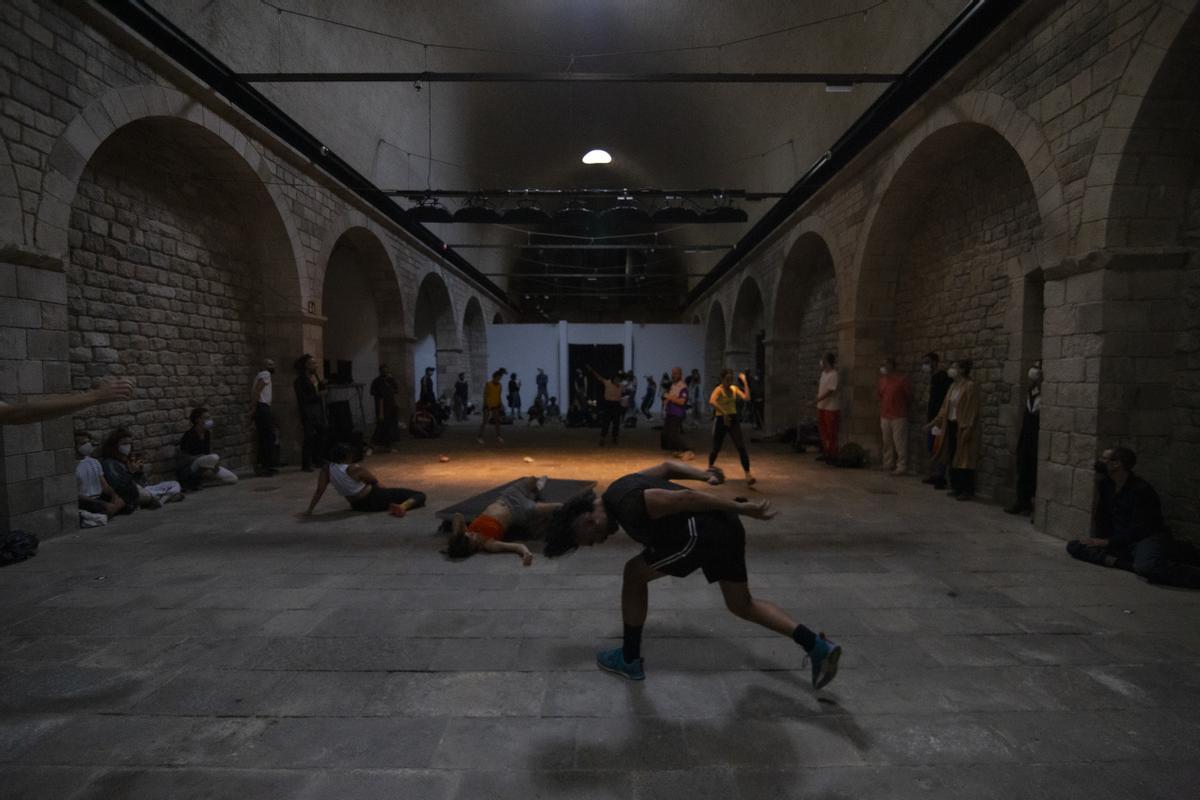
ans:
x=614 y=661
x=824 y=656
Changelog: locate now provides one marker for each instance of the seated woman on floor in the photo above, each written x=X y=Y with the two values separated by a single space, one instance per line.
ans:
x=516 y=514
x=125 y=472
x=360 y=488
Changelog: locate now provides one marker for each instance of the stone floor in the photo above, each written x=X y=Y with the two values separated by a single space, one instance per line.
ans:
x=223 y=648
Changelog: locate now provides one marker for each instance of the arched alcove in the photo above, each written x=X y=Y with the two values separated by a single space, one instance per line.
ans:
x=475 y=343
x=180 y=276
x=936 y=274
x=747 y=330
x=805 y=327
x=435 y=334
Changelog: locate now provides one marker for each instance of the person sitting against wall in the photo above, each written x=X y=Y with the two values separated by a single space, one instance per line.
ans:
x=197 y=463
x=536 y=412
x=959 y=421
x=1128 y=528
x=518 y=513
x=361 y=489
x=125 y=472
x=95 y=495
x=552 y=409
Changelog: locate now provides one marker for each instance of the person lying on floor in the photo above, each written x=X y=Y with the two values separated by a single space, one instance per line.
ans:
x=360 y=488
x=517 y=513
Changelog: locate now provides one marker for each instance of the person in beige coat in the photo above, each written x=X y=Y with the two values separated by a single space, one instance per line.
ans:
x=957 y=428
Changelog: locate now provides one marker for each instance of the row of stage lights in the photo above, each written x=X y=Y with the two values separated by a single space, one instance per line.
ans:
x=577 y=214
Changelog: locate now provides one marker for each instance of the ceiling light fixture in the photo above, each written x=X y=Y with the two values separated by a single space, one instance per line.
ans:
x=527 y=212
x=428 y=210
x=597 y=157
x=626 y=213
x=723 y=211
x=477 y=209
x=674 y=212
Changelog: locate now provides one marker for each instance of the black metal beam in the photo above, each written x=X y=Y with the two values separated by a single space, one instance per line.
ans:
x=207 y=68
x=828 y=78
x=976 y=22
x=740 y=194
x=591 y=246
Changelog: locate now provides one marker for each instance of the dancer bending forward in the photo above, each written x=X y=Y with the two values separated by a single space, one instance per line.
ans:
x=681 y=530
x=360 y=488
x=517 y=513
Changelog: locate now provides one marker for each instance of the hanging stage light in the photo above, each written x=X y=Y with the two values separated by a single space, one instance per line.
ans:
x=527 y=212
x=429 y=209
x=678 y=214
x=575 y=214
x=477 y=209
x=723 y=211
x=625 y=213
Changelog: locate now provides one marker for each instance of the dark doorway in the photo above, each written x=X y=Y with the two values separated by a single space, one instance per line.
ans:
x=607 y=359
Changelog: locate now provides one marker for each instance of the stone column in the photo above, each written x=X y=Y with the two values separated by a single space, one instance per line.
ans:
x=450 y=362
x=38 y=472
x=1108 y=349
x=395 y=349
x=785 y=396
x=862 y=345
x=285 y=338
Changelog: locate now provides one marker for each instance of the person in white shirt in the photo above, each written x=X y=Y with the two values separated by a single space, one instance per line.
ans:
x=95 y=495
x=828 y=407
x=264 y=424
x=360 y=488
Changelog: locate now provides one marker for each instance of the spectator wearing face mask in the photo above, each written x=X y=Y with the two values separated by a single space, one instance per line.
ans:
x=125 y=472
x=1027 y=444
x=95 y=495
x=939 y=384
x=959 y=419
x=197 y=462
x=895 y=393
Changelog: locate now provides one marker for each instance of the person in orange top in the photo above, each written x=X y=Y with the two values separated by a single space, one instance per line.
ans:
x=724 y=400
x=895 y=393
x=517 y=512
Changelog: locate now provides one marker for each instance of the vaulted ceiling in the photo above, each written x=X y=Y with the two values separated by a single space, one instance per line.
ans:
x=753 y=137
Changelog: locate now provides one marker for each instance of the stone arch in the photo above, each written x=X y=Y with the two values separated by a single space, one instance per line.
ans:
x=475 y=343
x=1146 y=141
x=435 y=333
x=362 y=307
x=805 y=318
x=956 y=223
x=498 y=318
x=120 y=107
x=176 y=281
x=747 y=328
x=714 y=342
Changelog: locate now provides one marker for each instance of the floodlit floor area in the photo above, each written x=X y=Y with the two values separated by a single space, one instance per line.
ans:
x=225 y=648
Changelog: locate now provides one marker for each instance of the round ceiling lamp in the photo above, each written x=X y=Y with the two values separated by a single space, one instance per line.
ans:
x=626 y=213
x=723 y=211
x=597 y=157
x=575 y=215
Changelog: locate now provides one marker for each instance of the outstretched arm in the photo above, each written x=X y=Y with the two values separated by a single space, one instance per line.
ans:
x=665 y=502
x=493 y=546
x=61 y=405
x=745 y=386
x=677 y=470
x=322 y=482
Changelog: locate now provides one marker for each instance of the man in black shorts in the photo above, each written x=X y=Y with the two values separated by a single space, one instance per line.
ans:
x=681 y=530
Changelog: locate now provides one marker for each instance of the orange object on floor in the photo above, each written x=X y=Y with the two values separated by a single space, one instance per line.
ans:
x=487 y=527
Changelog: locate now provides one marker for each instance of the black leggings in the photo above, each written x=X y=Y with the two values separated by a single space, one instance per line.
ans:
x=379 y=498
x=720 y=425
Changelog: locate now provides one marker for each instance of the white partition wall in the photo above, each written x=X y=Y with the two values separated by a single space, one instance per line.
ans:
x=649 y=349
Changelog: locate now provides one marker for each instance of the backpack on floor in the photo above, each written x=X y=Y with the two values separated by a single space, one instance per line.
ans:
x=851 y=456
x=17 y=546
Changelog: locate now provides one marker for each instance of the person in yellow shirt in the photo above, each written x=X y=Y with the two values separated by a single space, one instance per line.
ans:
x=724 y=400
x=493 y=406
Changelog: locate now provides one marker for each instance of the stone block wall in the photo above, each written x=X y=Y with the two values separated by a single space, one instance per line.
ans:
x=38 y=489
x=794 y=361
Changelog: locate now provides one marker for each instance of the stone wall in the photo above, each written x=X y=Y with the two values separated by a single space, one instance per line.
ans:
x=182 y=276
x=1096 y=100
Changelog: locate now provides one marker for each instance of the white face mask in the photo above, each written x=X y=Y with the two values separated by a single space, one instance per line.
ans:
x=208 y=423
x=85 y=449
x=1034 y=373
x=883 y=370
x=125 y=449
x=926 y=367
x=952 y=372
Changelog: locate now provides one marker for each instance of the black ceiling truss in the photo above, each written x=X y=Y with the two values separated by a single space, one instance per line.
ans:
x=830 y=79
